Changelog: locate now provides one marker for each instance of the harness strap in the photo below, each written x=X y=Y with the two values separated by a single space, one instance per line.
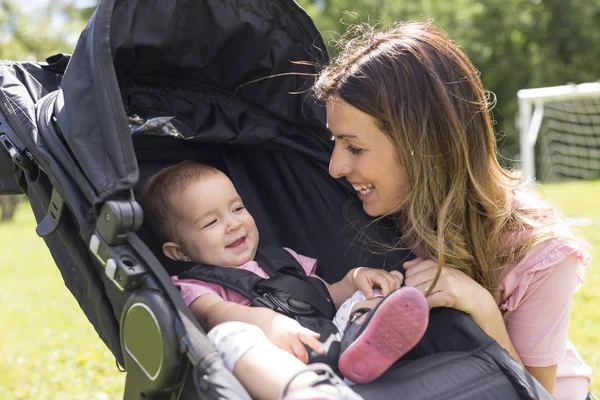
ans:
x=286 y=275
x=238 y=280
x=305 y=288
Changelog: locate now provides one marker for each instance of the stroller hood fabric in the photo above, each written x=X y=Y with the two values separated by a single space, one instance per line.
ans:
x=227 y=82
x=216 y=47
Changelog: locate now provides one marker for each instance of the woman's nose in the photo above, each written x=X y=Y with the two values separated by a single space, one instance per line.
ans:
x=338 y=165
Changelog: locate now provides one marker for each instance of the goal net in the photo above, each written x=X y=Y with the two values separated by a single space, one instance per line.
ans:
x=560 y=132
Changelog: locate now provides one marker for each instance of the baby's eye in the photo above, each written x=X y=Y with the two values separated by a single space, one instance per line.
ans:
x=214 y=221
x=238 y=208
x=353 y=150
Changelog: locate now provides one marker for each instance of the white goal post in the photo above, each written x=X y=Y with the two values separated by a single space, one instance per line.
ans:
x=535 y=103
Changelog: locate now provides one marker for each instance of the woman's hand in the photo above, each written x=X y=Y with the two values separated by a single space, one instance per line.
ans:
x=365 y=279
x=453 y=289
x=456 y=290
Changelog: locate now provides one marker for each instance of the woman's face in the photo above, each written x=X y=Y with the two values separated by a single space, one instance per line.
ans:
x=365 y=156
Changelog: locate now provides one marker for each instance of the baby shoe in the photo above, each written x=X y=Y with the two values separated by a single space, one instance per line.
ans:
x=389 y=331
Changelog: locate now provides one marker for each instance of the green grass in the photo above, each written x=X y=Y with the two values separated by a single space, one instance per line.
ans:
x=48 y=349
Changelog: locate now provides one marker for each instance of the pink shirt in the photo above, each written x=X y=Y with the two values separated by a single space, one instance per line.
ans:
x=535 y=297
x=192 y=289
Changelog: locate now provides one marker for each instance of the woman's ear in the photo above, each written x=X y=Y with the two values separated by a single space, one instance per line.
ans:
x=174 y=252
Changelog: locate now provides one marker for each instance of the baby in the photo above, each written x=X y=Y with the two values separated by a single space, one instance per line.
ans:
x=201 y=218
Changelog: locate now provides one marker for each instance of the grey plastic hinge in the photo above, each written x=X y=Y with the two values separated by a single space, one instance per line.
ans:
x=117 y=218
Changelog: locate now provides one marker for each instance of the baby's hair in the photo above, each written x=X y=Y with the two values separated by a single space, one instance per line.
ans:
x=158 y=191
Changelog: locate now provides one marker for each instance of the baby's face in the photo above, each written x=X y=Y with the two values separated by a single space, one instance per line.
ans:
x=214 y=226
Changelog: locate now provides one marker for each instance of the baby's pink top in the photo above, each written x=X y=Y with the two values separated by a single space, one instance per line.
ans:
x=191 y=289
x=535 y=297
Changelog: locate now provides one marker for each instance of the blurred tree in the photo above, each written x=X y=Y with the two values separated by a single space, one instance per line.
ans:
x=33 y=36
x=37 y=34
x=515 y=44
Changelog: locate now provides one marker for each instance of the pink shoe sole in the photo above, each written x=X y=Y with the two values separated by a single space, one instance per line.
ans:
x=396 y=327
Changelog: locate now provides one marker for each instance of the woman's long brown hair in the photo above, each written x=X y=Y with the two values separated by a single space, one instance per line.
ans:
x=427 y=97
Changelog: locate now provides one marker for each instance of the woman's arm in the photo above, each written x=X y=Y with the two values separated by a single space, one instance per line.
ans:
x=545 y=308
x=487 y=315
x=492 y=323
x=545 y=375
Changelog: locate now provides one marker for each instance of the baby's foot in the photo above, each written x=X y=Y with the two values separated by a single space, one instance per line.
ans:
x=388 y=332
x=326 y=386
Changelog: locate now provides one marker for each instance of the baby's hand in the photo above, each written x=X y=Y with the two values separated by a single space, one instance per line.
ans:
x=287 y=334
x=366 y=279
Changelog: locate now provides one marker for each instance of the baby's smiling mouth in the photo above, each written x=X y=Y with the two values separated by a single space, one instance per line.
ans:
x=237 y=243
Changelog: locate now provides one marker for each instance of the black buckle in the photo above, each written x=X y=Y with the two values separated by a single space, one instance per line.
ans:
x=262 y=302
x=271 y=301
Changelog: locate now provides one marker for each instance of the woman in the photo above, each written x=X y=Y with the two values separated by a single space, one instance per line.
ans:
x=414 y=136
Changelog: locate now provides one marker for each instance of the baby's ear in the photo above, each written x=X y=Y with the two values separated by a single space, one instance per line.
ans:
x=174 y=252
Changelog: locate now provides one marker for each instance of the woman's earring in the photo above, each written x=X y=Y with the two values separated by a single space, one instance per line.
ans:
x=186 y=259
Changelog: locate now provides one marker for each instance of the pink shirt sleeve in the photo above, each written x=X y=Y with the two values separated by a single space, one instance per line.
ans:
x=536 y=298
x=308 y=264
x=191 y=289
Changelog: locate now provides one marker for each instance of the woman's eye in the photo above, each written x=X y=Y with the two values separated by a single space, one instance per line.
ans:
x=214 y=221
x=353 y=150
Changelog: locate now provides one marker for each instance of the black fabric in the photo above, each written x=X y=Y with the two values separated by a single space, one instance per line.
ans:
x=57 y=63
x=8 y=181
x=81 y=278
x=23 y=85
x=26 y=89
x=449 y=329
x=449 y=375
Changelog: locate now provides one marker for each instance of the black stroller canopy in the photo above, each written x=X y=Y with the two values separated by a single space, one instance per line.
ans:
x=224 y=69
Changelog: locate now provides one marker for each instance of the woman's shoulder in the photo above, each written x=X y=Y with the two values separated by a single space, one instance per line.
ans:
x=556 y=259
x=558 y=251
x=553 y=260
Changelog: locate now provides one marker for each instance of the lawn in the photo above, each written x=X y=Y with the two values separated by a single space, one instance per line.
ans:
x=49 y=351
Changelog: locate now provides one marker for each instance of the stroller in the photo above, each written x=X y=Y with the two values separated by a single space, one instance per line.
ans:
x=153 y=83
